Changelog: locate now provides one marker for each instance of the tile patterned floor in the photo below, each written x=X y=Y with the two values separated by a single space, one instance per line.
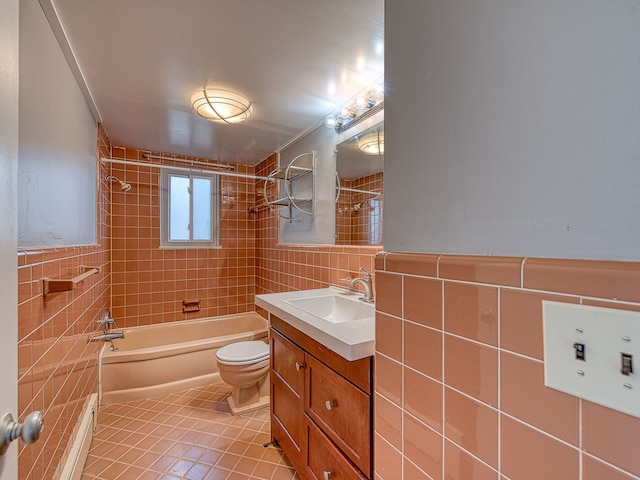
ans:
x=188 y=435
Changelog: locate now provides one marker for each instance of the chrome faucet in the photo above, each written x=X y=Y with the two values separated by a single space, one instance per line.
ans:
x=107 y=322
x=366 y=284
x=106 y=337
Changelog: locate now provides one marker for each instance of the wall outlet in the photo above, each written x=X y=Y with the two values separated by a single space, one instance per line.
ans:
x=593 y=353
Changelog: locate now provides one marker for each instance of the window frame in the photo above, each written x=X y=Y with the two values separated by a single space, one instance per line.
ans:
x=165 y=198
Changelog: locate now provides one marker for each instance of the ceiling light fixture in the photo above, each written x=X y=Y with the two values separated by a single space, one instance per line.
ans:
x=372 y=143
x=221 y=106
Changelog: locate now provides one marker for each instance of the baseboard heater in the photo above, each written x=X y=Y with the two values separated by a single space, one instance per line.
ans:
x=81 y=440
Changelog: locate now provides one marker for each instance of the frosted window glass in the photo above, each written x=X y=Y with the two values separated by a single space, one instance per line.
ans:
x=202 y=208
x=179 y=208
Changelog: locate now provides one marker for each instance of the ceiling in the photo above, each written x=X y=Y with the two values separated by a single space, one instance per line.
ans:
x=296 y=60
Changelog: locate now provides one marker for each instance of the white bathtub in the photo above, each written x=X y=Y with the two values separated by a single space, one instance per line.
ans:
x=160 y=359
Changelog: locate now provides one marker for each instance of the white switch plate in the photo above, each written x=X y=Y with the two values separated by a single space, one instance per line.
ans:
x=606 y=333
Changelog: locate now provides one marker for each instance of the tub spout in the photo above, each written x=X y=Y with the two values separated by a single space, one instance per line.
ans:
x=105 y=337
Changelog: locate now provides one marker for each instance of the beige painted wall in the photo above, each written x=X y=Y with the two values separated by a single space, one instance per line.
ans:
x=512 y=128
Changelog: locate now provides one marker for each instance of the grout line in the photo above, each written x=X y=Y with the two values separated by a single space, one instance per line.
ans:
x=580 y=444
x=539 y=430
x=473 y=456
x=442 y=374
x=499 y=402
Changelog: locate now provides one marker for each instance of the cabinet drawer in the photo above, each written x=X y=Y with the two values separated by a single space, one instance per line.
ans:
x=341 y=410
x=287 y=360
x=325 y=461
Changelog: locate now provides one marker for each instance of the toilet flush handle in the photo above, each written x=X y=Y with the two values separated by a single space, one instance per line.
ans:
x=29 y=431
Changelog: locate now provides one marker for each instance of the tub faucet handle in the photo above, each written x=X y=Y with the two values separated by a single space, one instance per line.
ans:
x=108 y=322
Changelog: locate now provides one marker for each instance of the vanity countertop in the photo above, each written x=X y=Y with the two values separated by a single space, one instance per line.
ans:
x=353 y=339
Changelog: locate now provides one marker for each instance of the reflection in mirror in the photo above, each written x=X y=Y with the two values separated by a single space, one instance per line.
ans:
x=360 y=165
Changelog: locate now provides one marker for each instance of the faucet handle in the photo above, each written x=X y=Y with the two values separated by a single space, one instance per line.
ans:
x=106 y=322
x=367 y=275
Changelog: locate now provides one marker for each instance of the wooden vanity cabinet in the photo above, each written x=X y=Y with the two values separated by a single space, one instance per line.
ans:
x=321 y=406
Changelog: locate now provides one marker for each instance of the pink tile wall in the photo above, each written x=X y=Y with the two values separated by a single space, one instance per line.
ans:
x=361 y=225
x=459 y=383
x=288 y=267
x=57 y=368
x=149 y=284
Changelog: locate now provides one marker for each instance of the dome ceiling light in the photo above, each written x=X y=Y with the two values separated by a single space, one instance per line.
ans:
x=221 y=106
x=372 y=143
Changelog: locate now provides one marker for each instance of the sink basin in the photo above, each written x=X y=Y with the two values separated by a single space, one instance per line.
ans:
x=334 y=308
x=341 y=322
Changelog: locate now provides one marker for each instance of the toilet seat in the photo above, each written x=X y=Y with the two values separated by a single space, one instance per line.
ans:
x=243 y=353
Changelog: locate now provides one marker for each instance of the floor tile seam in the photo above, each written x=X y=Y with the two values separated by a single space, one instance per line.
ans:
x=111 y=463
x=244 y=473
x=122 y=475
x=106 y=454
x=157 y=470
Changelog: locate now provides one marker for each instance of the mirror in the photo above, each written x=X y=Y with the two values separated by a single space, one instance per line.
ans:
x=360 y=194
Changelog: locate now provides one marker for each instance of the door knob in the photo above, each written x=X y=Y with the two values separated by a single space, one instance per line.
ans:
x=299 y=366
x=29 y=431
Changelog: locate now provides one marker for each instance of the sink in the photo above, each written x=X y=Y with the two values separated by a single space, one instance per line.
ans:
x=340 y=321
x=334 y=308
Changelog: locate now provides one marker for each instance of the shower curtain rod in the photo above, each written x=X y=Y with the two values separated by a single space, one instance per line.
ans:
x=355 y=190
x=192 y=162
x=182 y=168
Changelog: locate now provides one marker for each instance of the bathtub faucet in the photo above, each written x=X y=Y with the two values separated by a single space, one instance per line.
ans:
x=107 y=322
x=105 y=337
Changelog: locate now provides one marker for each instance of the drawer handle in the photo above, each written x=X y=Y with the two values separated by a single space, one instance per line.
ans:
x=299 y=366
x=329 y=404
x=327 y=475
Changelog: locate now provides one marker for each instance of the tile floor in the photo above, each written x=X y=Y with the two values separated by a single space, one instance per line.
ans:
x=188 y=435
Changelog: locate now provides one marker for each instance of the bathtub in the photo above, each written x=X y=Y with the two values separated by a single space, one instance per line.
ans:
x=160 y=359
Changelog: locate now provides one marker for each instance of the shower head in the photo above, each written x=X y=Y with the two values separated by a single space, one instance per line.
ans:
x=125 y=187
x=358 y=206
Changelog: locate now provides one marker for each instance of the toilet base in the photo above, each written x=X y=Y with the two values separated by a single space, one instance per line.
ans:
x=247 y=398
x=247 y=408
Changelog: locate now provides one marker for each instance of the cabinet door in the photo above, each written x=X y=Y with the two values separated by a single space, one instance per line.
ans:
x=341 y=410
x=287 y=399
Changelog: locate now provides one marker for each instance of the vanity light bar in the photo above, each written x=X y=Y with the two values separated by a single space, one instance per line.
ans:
x=360 y=118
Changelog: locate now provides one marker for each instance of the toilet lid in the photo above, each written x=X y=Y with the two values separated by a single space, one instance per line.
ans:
x=243 y=352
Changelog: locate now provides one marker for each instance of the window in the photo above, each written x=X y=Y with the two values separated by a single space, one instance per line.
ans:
x=189 y=210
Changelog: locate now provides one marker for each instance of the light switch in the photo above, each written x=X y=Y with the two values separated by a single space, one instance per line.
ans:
x=592 y=352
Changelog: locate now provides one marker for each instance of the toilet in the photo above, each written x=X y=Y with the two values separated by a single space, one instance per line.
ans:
x=245 y=366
